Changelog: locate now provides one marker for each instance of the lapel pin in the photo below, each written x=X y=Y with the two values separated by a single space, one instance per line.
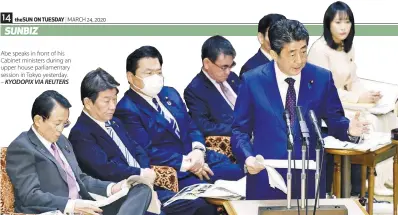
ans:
x=167 y=100
x=233 y=81
x=310 y=84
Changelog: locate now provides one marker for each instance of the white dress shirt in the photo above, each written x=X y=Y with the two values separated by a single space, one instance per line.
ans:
x=185 y=161
x=266 y=54
x=283 y=85
x=70 y=205
x=217 y=85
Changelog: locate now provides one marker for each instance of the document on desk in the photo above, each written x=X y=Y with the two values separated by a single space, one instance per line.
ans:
x=385 y=105
x=372 y=142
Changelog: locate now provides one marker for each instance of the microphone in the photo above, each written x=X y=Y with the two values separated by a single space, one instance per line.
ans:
x=286 y=115
x=316 y=127
x=303 y=126
x=304 y=148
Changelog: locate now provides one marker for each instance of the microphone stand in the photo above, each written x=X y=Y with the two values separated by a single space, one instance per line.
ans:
x=303 y=174
x=289 y=171
x=317 y=175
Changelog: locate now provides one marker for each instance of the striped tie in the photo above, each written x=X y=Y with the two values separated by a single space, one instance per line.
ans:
x=130 y=159
x=172 y=122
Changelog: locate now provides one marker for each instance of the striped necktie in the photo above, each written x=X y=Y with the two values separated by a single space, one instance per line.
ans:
x=130 y=159
x=172 y=122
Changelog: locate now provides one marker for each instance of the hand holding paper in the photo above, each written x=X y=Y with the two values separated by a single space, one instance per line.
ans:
x=86 y=207
x=253 y=166
x=274 y=178
x=149 y=174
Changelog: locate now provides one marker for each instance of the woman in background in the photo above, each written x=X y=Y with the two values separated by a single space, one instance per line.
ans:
x=334 y=51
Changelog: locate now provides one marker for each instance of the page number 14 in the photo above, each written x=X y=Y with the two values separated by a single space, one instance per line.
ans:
x=6 y=17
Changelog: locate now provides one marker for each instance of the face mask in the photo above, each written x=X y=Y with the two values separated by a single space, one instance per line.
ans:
x=152 y=85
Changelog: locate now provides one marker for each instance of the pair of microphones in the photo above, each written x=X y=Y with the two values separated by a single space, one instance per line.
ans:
x=303 y=126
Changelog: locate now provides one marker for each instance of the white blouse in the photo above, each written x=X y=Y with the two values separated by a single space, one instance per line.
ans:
x=343 y=68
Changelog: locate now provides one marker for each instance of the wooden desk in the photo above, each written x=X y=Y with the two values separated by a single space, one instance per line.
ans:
x=244 y=207
x=367 y=160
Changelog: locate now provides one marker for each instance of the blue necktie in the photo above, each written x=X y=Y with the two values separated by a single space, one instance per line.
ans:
x=172 y=122
x=291 y=99
x=130 y=159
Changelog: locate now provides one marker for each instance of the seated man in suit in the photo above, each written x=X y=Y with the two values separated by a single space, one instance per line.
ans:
x=156 y=117
x=263 y=55
x=104 y=149
x=211 y=95
x=46 y=176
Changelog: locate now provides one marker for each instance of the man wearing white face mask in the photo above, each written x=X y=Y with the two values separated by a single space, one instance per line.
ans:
x=156 y=117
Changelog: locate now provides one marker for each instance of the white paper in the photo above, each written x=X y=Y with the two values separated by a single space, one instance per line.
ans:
x=133 y=180
x=372 y=142
x=52 y=213
x=206 y=191
x=238 y=187
x=385 y=105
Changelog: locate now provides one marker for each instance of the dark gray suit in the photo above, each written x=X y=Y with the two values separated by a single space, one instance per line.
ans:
x=40 y=183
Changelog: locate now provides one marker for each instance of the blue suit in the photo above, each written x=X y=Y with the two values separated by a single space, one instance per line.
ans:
x=153 y=132
x=208 y=108
x=259 y=109
x=257 y=60
x=99 y=156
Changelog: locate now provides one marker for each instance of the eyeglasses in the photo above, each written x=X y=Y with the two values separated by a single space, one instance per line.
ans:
x=60 y=127
x=225 y=68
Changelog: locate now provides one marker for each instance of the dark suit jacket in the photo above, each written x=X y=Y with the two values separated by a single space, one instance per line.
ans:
x=97 y=153
x=259 y=109
x=152 y=131
x=39 y=181
x=208 y=108
x=257 y=60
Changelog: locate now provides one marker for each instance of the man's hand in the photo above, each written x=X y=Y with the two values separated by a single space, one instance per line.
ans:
x=358 y=127
x=86 y=207
x=205 y=171
x=149 y=174
x=197 y=160
x=117 y=187
x=253 y=167
x=370 y=97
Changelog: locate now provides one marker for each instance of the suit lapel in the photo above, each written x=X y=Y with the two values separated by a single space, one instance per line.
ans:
x=151 y=112
x=233 y=82
x=102 y=133
x=43 y=150
x=123 y=137
x=214 y=93
x=68 y=155
x=178 y=115
x=271 y=89
x=305 y=91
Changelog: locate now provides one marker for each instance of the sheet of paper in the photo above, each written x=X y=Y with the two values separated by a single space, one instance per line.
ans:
x=373 y=141
x=52 y=213
x=238 y=187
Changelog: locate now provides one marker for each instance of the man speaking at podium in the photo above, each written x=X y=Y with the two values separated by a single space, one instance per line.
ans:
x=268 y=91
